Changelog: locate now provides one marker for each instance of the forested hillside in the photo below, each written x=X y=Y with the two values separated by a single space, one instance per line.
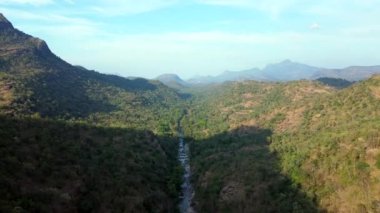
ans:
x=49 y=166
x=37 y=82
x=320 y=146
x=74 y=140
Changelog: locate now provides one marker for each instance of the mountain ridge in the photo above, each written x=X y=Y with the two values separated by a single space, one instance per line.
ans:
x=288 y=70
x=45 y=84
x=172 y=80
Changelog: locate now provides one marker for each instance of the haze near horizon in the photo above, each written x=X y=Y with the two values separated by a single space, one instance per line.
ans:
x=201 y=37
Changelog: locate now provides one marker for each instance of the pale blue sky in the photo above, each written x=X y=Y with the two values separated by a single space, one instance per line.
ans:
x=201 y=37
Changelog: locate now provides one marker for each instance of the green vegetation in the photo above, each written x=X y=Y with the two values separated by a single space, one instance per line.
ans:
x=42 y=84
x=75 y=140
x=335 y=148
x=326 y=144
x=236 y=172
x=50 y=166
x=79 y=141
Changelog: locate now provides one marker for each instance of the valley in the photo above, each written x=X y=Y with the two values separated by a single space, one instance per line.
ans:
x=314 y=146
x=76 y=140
x=187 y=191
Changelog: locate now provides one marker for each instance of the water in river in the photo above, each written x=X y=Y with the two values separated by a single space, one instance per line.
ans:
x=186 y=187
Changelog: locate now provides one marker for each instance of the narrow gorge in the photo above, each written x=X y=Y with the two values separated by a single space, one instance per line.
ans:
x=187 y=191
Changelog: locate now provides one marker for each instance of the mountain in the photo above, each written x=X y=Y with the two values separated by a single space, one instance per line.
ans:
x=75 y=140
x=4 y=23
x=285 y=147
x=172 y=81
x=228 y=76
x=283 y=71
x=289 y=71
x=354 y=73
x=37 y=81
x=225 y=76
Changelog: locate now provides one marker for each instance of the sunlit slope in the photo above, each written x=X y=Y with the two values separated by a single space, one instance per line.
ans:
x=219 y=108
x=325 y=141
x=335 y=154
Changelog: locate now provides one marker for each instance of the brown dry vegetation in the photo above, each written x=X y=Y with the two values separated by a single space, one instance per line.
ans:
x=327 y=140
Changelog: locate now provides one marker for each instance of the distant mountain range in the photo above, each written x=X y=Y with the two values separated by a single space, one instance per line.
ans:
x=283 y=71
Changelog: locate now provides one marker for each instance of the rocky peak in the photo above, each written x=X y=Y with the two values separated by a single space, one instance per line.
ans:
x=4 y=23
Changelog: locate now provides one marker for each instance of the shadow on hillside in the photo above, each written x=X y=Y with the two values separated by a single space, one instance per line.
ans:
x=236 y=172
x=50 y=166
x=69 y=95
x=63 y=95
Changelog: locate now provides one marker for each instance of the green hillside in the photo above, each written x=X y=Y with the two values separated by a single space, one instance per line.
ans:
x=335 y=155
x=325 y=144
x=75 y=140
x=49 y=166
x=39 y=83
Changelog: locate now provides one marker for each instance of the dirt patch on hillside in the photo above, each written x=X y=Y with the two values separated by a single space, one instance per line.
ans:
x=300 y=93
x=6 y=95
x=376 y=92
x=249 y=104
x=292 y=121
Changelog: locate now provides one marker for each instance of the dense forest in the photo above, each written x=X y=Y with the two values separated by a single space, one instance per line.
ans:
x=297 y=145
x=75 y=140
x=50 y=166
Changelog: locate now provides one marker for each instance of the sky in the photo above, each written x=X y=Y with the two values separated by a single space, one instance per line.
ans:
x=147 y=38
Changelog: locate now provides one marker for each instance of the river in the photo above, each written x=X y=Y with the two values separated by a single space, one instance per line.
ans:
x=187 y=191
